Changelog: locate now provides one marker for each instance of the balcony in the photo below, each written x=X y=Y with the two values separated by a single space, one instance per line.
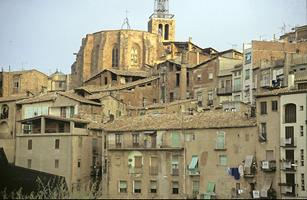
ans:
x=194 y=172
x=96 y=171
x=224 y=91
x=288 y=142
x=289 y=165
x=268 y=165
x=287 y=189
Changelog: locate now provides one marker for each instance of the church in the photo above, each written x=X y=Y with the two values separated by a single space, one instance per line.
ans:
x=127 y=49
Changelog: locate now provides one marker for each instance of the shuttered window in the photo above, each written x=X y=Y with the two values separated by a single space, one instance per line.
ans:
x=220 y=140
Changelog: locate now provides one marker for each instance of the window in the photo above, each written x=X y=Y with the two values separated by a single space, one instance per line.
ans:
x=303 y=182
x=166 y=32
x=263 y=108
x=29 y=144
x=301 y=108
x=237 y=85
x=137 y=186
x=4 y=112
x=175 y=165
x=134 y=56
x=153 y=168
x=247 y=74
x=138 y=161
x=135 y=139
x=195 y=187
x=115 y=57
x=29 y=163
x=160 y=30
x=175 y=187
x=123 y=186
x=171 y=96
x=223 y=160
x=79 y=163
x=290 y=113
x=274 y=105
x=263 y=130
x=153 y=186
x=56 y=164
x=198 y=77
x=194 y=163
x=175 y=139
x=248 y=58
x=177 y=80
x=57 y=144
x=72 y=111
x=220 y=140
x=302 y=131
x=210 y=77
x=302 y=158
x=118 y=140
x=63 y=112
x=106 y=80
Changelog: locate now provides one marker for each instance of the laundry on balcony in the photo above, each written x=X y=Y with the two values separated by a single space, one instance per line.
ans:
x=265 y=188
x=234 y=172
x=249 y=166
x=288 y=189
x=265 y=165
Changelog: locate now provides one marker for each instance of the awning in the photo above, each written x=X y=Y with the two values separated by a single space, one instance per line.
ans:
x=266 y=186
x=193 y=162
x=210 y=191
x=248 y=161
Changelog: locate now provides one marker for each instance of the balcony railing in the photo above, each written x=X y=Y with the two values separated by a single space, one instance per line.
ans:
x=288 y=142
x=268 y=165
x=287 y=189
x=194 y=172
x=289 y=165
x=224 y=91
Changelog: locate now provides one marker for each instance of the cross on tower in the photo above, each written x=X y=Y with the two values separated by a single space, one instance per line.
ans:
x=126 y=22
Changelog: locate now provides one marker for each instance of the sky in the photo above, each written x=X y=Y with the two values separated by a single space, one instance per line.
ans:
x=44 y=34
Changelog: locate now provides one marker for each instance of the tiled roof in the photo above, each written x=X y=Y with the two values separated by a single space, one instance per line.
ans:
x=74 y=96
x=13 y=98
x=40 y=98
x=121 y=73
x=56 y=118
x=207 y=120
x=162 y=105
x=96 y=89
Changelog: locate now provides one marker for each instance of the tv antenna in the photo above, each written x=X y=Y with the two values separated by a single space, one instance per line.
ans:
x=126 y=22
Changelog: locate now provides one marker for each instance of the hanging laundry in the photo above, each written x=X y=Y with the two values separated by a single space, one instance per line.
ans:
x=235 y=173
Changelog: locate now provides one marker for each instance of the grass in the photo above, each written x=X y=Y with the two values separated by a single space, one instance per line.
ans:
x=58 y=191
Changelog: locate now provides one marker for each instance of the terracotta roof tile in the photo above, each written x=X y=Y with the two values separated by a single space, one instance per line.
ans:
x=74 y=96
x=40 y=98
x=208 y=120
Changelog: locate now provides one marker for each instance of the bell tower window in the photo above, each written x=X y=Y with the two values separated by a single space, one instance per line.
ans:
x=160 y=30
x=166 y=32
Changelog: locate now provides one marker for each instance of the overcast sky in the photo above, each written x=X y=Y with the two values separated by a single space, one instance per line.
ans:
x=44 y=34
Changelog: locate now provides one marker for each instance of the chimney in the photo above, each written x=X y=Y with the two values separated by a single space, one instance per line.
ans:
x=291 y=78
x=183 y=75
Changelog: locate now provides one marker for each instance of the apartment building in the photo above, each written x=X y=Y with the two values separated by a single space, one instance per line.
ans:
x=282 y=128
x=182 y=156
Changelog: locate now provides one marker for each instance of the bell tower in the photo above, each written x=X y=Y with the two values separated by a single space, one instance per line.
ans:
x=161 y=21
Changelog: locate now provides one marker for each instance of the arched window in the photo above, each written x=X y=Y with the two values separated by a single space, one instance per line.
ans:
x=290 y=113
x=160 y=30
x=166 y=32
x=135 y=56
x=115 y=56
x=4 y=112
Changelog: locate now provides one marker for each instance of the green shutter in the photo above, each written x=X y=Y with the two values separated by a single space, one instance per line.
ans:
x=220 y=140
x=193 y=163
x=175 y=139
x=210 y=187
